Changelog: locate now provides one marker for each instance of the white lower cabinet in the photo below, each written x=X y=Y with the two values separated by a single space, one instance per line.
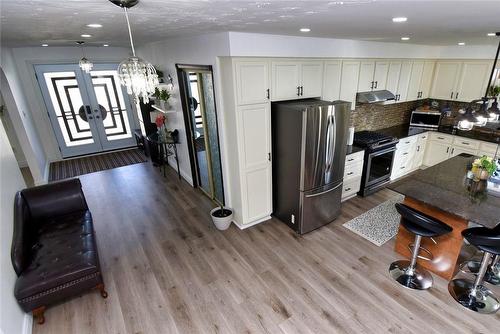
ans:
x=404 y=157
x=352 y=174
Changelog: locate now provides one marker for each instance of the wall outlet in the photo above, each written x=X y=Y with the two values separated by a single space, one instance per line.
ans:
x=292 y=219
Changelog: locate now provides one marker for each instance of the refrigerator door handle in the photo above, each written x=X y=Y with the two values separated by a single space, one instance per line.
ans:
x=330 y=141
x=326 y=191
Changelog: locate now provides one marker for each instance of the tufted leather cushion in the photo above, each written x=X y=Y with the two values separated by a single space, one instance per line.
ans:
x=64 y=251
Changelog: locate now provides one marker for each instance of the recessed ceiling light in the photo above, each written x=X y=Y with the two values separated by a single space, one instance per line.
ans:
x=45 y=45
x=105 y=45
x=399 y=19
x=94 y=25
x=405 y=38
x=461 y=43
x=86 y=35
x=305 y=29
x=491 y=34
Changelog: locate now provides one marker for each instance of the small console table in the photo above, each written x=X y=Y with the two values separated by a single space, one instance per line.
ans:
x=167 y=146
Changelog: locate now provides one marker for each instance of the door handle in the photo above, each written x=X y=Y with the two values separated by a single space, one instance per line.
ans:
x=267 y=93
x=90 y=117
x=456 y=96
x=376 y=84
x=452 y=150
x=269 y=156
x=89 y=111
x=298 y=90
x=97 y=116
x=326 y=191
x=448 y=149
x=301 y=90
x=372 y=84
x=451 y=97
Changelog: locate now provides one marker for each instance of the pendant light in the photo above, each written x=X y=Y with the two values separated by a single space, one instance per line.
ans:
x=137 y=75
x=466 y=121
x=85 y=64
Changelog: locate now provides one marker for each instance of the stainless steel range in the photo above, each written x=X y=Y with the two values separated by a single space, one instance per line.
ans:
x=379 y=155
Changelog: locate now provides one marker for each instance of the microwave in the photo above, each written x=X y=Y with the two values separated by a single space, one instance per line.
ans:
x=428 y=119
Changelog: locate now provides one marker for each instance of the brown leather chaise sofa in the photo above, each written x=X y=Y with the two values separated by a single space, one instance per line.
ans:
x=54 y=250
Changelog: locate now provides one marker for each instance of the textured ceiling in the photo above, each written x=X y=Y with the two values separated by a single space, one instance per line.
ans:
x=60 y=22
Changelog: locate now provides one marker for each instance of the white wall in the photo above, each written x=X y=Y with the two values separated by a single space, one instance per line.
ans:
x=197 y=50
x=26 y=58
x=19 y=112
x=262 y=45
x=12 y=318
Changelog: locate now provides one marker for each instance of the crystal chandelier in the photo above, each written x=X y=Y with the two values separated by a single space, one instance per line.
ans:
x=137 y=75
x=85 y=64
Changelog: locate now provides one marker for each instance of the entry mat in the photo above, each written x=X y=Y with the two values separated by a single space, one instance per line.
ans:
x=70 y=168
x=378 y=225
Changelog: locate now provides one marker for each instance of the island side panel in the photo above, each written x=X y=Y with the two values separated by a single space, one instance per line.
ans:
x=445 y=252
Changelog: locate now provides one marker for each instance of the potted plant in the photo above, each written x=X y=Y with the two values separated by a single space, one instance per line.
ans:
x=222 y=217
x=484 y=167
x=157 y=94
x=164 y=96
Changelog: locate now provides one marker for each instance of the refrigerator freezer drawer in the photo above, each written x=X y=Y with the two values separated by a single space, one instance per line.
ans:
x=319 y=207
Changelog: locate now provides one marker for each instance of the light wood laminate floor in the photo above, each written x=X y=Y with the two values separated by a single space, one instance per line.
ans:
x=168 y=270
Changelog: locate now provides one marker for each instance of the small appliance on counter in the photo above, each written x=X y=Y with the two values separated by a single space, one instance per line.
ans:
x=309 y=140
x=425 y=118
x=379 y=155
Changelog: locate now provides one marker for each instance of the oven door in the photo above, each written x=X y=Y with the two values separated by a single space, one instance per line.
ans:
x=379 y=166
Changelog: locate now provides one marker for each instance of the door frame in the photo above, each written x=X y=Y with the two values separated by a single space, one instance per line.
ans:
x=188 y=121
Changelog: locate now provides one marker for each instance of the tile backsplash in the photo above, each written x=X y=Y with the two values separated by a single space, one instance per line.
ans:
x=380 y=116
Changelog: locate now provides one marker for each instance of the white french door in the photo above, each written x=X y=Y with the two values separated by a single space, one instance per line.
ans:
x=89 y=112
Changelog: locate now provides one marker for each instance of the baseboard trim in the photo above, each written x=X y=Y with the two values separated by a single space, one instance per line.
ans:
x=27 y=324
x=242 y=227
x=173 y=164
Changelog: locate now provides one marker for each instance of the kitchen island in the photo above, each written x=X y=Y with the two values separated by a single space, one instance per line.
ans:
x=443 y=192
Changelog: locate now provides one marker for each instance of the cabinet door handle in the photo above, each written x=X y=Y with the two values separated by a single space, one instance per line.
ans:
x=347 y=189
x=298 y=90
x=351 y=159
x=456 y=96
x=402 y=167
x=301 y=90
x=451 y=95
x=267 y=93
x=418 y=148
x=442 y=138
x=465 y=143
x=350 y=173
x=406 y=153
x=452 y=150
x=448 y=149
x=376 y=84
x=269 y=156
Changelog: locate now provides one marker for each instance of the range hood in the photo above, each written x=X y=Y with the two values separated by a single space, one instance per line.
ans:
x=374 y=96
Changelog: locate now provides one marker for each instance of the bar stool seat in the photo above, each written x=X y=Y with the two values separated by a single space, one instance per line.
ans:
x=408 y=273
x=473 y=294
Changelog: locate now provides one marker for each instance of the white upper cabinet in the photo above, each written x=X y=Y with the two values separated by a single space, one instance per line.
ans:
x=285 y=80
x=349 y=82
x=473 y=80
x=415 y=78
x=380 y=76
x=366 y=70
x=311 y=79
x=252 y=81
x=404 y=81
x=331 y=80
x=372 y=75
x=393 y=76
x=445 y=80
x=426 y=81
x=296 y=79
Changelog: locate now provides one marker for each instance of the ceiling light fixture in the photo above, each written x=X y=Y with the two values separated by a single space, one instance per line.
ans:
x=405 y=38
x=85 y=64
x=491 y=34
x=399 y=19
x=305 y=29
x=94 y=25
x=86 y=35
x=137 y=75
x=45 y=45
x=461 y=43
x=105 y=45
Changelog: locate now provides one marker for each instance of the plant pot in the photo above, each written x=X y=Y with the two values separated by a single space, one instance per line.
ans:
x=222 y=220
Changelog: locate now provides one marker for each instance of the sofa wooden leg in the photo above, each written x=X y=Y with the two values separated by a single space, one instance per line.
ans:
x=104 y=294
x=38 y=314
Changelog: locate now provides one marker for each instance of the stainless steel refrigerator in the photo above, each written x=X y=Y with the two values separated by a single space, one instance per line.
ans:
x=309 y=148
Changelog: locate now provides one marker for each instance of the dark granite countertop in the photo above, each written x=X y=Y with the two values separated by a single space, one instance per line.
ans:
x=353 y=149
x=446 y=187
x=486 y=133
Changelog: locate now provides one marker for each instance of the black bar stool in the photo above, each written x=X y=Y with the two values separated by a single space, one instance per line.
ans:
x=473 y=294
x=408 y=273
